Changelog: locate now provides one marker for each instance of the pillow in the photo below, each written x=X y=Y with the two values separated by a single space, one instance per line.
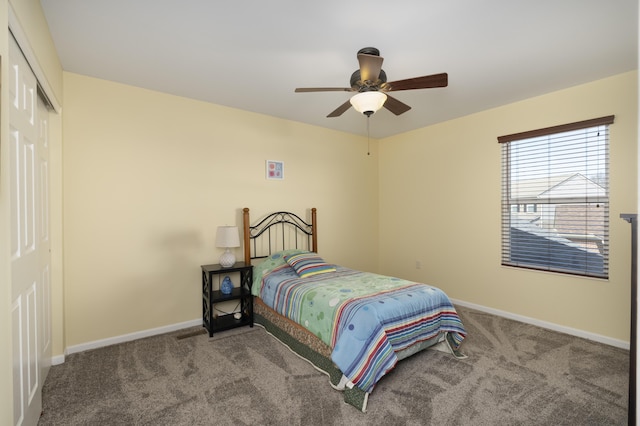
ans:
x=308 y=264
x=267 y=265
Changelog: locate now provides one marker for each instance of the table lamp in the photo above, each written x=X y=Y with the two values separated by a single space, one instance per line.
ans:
x=227 y=237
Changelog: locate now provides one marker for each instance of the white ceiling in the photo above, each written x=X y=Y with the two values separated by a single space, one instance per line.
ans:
x=252 y=54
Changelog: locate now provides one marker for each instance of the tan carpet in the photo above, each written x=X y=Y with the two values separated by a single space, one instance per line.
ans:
x=516 y=374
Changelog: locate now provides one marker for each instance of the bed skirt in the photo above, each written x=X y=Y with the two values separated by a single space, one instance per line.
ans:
x=311 y=348
x=307 y=346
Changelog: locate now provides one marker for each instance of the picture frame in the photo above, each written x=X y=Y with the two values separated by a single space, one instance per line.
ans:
x=274 y=170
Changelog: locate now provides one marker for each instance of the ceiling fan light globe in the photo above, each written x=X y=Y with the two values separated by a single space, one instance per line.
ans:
x=368 y=103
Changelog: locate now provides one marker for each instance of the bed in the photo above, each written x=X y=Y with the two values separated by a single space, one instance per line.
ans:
x=355 y=326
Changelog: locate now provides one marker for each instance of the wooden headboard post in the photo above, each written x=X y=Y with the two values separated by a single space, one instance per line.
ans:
x=245 y=235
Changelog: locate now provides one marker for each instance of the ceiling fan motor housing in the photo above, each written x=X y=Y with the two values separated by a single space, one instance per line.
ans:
x=369 y=51
x=357 y=84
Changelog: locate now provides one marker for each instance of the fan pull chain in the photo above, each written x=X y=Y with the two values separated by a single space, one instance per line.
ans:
x=368 y=137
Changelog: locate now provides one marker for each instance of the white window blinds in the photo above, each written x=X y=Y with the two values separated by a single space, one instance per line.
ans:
x=555 y=198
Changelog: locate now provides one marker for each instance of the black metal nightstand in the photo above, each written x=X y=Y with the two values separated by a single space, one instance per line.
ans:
x=214 y=323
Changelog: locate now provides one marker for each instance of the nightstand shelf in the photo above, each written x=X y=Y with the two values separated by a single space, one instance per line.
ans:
x=210 y=297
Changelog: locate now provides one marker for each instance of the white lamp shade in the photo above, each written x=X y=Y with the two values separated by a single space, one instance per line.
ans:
x=368 y=102
x=227 y=236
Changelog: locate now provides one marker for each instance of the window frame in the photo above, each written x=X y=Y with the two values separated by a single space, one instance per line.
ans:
x=507 y=202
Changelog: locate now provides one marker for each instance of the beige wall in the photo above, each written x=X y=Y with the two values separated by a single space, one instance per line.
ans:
x=444 y=180
x=147 y=179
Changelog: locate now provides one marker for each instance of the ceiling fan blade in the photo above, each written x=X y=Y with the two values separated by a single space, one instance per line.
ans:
x=323 y=89
x=395 y=106
x=340 y=110
x=370 y=67
x=426 y=82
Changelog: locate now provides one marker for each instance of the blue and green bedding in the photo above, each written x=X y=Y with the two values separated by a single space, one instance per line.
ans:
x=365 y=318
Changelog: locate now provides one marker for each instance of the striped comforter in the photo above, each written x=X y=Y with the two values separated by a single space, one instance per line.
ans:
x=365 y=318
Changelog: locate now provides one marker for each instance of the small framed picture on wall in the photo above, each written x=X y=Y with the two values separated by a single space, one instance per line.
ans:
x=275 y=169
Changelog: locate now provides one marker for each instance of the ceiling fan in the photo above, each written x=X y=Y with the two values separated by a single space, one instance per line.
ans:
x=370 y=81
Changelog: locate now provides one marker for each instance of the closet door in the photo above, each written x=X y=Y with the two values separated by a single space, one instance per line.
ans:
x=30 y=257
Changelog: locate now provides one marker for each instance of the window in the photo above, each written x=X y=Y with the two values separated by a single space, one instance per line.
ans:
x=555 y=198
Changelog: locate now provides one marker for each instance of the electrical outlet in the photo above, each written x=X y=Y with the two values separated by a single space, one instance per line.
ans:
x=418 y=264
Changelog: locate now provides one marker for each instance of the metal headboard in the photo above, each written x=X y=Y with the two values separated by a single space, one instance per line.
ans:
x=278 y=231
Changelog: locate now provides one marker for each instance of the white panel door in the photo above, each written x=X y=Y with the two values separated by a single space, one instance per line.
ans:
x=30 y=258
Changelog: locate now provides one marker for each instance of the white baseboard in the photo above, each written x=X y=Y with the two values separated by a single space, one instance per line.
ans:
x=548 y=325
x=59 y=359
